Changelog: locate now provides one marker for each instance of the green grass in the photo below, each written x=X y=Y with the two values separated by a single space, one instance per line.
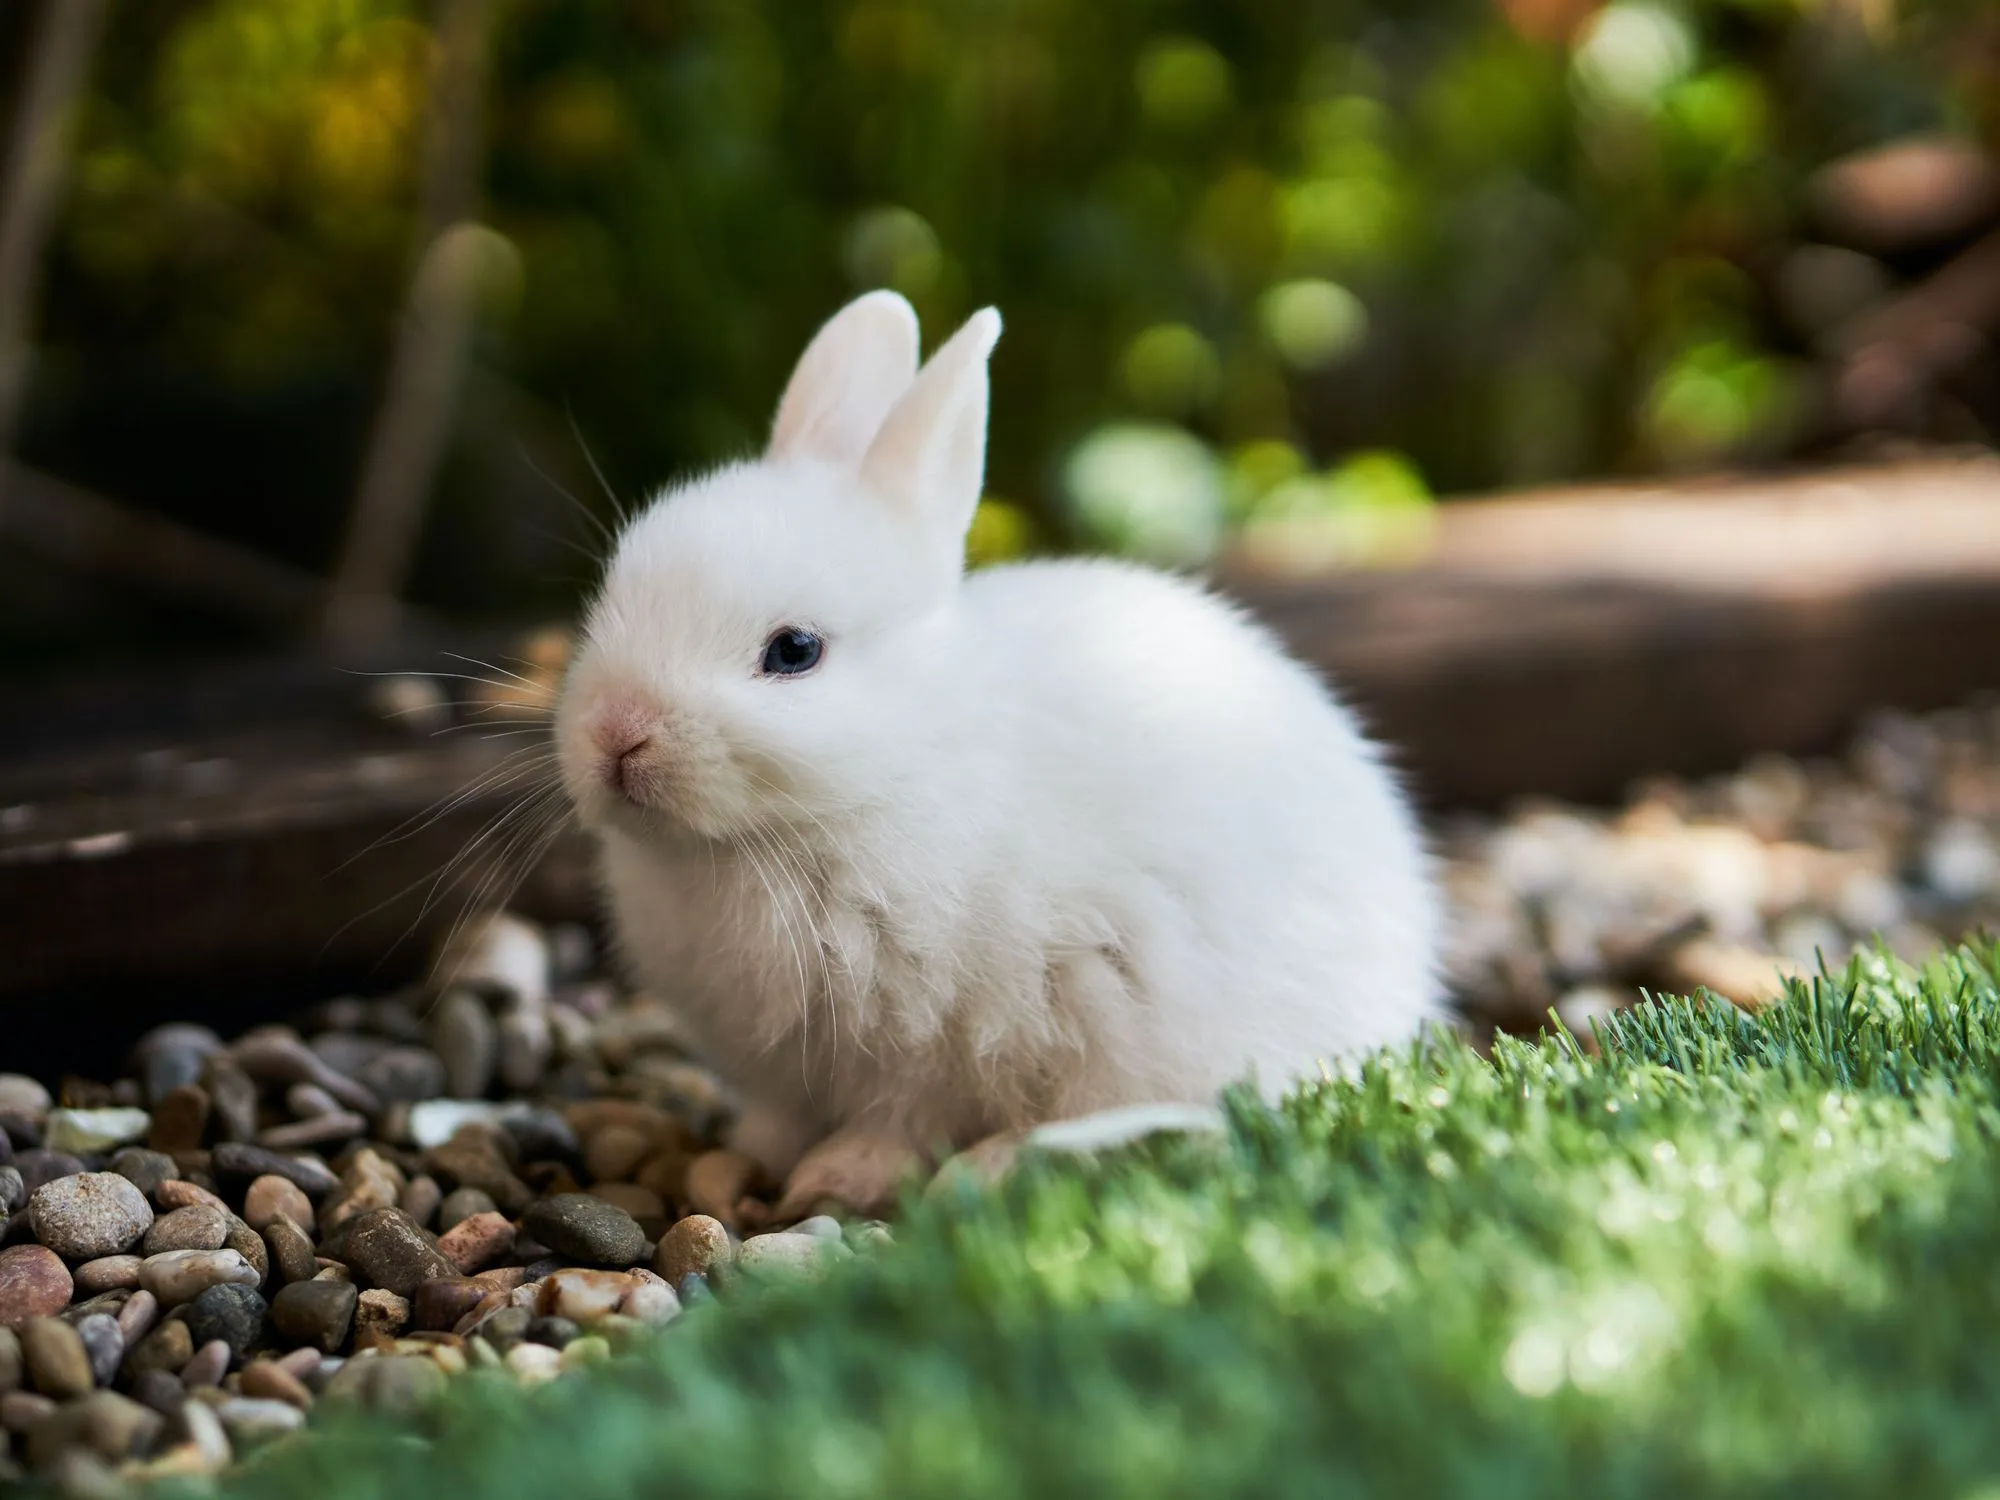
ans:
x=1733 y=1254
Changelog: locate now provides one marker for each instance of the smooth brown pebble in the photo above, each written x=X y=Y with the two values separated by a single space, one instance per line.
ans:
x=380 y=1310
x=291 y=1250
x=477 y=1242
x=199 y=1226
x=697 y=1243
x=177 y=1193
x=613 y=1153
x=272 y=1195
x=717 y=1182
x=58 y=1365
x=107 y=1273
x=34 y=1283
x=269 y=1380
x=207 y=1365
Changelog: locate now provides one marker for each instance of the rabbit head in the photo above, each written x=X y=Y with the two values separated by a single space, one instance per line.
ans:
x=760 y=634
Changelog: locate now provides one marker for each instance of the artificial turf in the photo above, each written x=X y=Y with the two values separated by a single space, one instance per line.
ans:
x=1731 y=1254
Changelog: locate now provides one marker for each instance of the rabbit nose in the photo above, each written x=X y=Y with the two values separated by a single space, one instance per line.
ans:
x=619 y=770
x=621 y=736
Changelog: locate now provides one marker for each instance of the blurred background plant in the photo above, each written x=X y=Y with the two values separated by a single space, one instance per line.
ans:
x=1275 y=273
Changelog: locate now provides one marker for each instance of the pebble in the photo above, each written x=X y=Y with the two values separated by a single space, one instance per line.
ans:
x=583 y=1296
x=172 y=1056
x=463 y=1034
x=555 y=1331
x=179 y=1193
x=388 y=1249
x=406 y=1074
x=241 y=1159
x=232 y=1098
x=269 y=1380
x=647 y=1208
x=819 y=1226
x=106 y=1424
x=501 y=955
x=474 y=1243
x=461 y=1204
x=615 y=1153
x=106 y=1273
x=443 y=1301
x=318 y=1130
x=11 y=1367
x=471 y=1159
x=231 y=1314
x=179 y=1276
x=103 y=1345
x=585 y=1229
x=394 y=1383
x=789 y=1255
x=694 y=1245
x=420 y=1198
x=534 y=1364
x=196 y=1227
x=88 y=1130
x=291 y=1250
x=717 y=1181
x=270 y=1196
x=249 y=1244
x=306 y=1100
x=143 y=1168
x=13 y=1191
x=315 y=1313
x=591 y=1349
x=276 y=1055
x=206 y=1366
x=202 y=1428
x=506 y=1327
x=652 y=1303
x=57 y=1363
x=251 y=1422
x=436 y=1121
x=525 y=1047
x=21 y=1095
x=180 y=1119
x=167 y=1348
x=38 y=1165
x=137 y=1316
x=34 y=1283
x=160 y=1390
x=379 y=1310
x=21 y=1410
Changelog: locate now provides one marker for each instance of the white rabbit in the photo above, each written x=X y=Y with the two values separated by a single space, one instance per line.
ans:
x=925 y=857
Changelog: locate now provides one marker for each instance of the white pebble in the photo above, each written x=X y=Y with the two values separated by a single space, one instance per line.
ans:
x=534 y=1364
x=177 y=1276
x=85 y=1130
x=651 y=1302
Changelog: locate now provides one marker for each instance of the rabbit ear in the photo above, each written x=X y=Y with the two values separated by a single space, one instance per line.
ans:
x=929 y=459
x=846 y=381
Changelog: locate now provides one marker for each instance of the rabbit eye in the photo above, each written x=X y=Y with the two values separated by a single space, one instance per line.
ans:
x=792 y=651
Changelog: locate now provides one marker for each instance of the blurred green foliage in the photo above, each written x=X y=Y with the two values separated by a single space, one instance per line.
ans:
x=1274 y=266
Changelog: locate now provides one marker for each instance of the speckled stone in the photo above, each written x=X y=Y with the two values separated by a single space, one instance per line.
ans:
x=89 y=1215
x=34 y=1283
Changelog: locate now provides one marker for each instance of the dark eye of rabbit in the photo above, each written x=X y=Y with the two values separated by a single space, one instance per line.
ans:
x=791 y=651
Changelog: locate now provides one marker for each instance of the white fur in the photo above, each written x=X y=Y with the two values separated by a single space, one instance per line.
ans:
x=1028 y=843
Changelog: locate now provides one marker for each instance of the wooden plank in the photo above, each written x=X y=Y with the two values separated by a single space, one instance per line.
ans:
x=215 y=829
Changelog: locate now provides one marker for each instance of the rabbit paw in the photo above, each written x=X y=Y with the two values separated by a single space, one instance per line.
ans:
x=860 y=1166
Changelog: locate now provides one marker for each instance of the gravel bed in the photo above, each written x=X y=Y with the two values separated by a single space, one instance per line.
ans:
x=513 y=1169
x=1734 y=882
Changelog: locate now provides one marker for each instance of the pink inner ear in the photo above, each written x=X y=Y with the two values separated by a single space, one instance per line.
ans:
x=930 y=456
x=847 y=380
